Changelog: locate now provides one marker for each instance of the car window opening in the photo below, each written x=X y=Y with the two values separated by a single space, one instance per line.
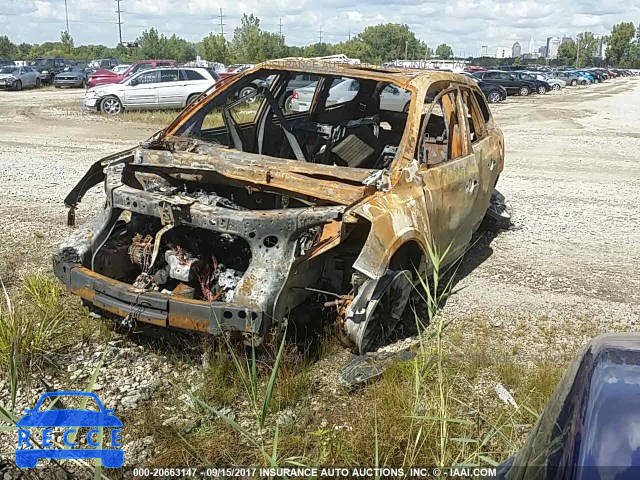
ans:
x=323 y=119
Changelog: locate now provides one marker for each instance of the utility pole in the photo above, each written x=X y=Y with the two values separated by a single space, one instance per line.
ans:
x=280 y=29
x=66 y=14
x=578 y=54
x=119 y=21
x=221 y=24
x=349 y=34
x=406 y=47
x=320 y=36
x=221 y=16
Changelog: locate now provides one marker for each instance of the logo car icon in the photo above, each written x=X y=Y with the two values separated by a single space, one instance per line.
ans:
x=70 y=419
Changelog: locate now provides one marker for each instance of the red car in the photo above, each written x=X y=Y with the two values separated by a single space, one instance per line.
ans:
x=101 y=77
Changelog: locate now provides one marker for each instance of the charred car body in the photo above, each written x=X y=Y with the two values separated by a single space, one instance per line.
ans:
x=240 y=217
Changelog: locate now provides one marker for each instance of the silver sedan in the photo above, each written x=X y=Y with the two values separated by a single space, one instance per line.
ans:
x=17 y=78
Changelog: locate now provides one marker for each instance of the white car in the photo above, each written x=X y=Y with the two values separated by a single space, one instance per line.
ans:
x=17 y=78
x=158 y=88
x=345 y=89
x=556 y=83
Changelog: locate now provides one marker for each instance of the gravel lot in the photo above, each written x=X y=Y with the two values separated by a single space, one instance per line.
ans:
x=566 y=272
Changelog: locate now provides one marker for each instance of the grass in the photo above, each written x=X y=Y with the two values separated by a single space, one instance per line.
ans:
x=440 y=409
x=275 y=408
x=163 y=118
x=38 y=320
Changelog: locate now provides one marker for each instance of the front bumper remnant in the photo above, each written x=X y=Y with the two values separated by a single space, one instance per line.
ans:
x=155 y=308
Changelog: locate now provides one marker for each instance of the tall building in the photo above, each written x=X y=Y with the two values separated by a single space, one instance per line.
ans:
x=553 y=43
x=503 y=52
x=484 y=52
x=601 y=46
x=516 y=50
x=543 y=51
x=532 y=47
x=566 y=39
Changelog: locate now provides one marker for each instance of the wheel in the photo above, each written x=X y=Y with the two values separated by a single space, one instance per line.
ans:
x=556 y=86
x=38 y=83
x=377 y=309
x=248 y=90
x=111 y=105
x=499 y=212
x=574 y=82
x=524 y=91
x=494 y=97
x=192 y=98
x=287 y=104
x=542 y=90
x=406 y=108
x=17 y=85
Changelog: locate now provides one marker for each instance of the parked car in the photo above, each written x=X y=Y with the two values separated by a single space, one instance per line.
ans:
x=6 y=63
x=104 y=63
x=73 y=77
x=585 y=74
x=157 y=88
x=17 y=78
x=492 y=91
x=590 y=427
x=237 y=215
x=104 y=76
x=555 y=83
x=541 y=86
x=48 y=68
x=299 y=81
x=234 y=69
x=342 y=90
x=513 y=85
x=570 y=78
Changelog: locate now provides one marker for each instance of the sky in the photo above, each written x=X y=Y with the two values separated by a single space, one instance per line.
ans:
x=466 y=25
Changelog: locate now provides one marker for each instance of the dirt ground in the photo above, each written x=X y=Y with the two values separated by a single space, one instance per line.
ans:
x=566 y=272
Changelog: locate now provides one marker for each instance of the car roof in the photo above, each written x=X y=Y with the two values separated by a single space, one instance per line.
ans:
x=403 y=77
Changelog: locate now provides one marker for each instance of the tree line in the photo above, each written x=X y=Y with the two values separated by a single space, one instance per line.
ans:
x=375 y=44
x=250 y=44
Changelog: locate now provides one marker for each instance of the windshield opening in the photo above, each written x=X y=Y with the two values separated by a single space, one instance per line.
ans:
x=326 y=119
x=6 y=70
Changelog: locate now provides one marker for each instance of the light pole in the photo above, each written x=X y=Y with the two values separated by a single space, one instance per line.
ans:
x=66 y=14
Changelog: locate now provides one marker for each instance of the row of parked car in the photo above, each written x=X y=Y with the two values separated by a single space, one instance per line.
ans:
x=498 y=84
x=58 y=72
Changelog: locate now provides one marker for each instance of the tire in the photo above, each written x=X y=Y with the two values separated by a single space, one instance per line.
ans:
x=494 y=97
x=574 y=82
x=556 y=86
x=111 y=105
x=378 y=307
x=192 y=98
x=286 y=108
x=542 y=90
x=247 y=91
x=524 y=91
x=406 y=108
x=38 y=83
x=17 y=85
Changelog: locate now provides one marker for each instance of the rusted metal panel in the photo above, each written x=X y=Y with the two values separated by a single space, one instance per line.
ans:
x=288 y=176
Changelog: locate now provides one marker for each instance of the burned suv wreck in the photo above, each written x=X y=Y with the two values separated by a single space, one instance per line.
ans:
x=240 y=217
